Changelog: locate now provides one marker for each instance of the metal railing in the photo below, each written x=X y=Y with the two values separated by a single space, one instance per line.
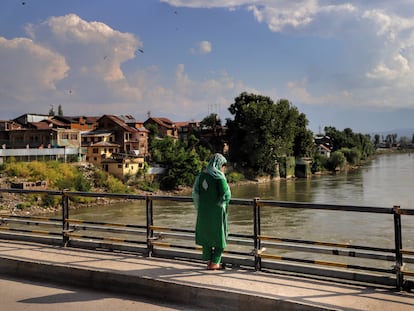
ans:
x=256 y=250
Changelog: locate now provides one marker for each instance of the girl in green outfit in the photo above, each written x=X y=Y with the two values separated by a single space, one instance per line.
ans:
x=211 y=196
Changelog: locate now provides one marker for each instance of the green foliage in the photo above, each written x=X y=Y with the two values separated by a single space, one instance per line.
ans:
x=211 y=125
x=49 y=200
x=149 y=185
x=181 y=160
x=348 y=139
x=353 y=156
x=318 y=162
x=17 y=169
x=234 y=177
x=263 y=132
x=114 y=185
x=100 y=178
x=336 y=161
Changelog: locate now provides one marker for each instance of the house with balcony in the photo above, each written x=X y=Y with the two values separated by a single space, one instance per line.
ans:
x=99 y=146
x=131 y=140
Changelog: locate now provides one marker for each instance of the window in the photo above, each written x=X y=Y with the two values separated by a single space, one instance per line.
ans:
x=95 y=150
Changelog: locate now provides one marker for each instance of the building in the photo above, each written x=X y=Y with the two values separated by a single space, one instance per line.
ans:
x=123 y=165
x=165 y=127
x=130 y=139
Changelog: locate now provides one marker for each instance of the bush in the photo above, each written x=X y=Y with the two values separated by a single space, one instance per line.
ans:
x=50 y=200
x=235 y=177
x=336 y=161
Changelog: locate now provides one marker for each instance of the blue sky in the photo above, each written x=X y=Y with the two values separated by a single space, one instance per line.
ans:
x=342 y=63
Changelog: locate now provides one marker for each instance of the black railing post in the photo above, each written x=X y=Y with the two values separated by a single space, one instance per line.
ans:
x=65 y=217
x=150 y=223
x=257 y=243
x=398 y=246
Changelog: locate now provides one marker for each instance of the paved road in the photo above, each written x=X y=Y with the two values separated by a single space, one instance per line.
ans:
x=24 y=295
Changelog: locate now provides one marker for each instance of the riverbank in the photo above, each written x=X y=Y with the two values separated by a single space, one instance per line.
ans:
x=17 y=204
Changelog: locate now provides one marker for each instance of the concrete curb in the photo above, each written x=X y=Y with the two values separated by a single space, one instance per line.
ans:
x=115 y=281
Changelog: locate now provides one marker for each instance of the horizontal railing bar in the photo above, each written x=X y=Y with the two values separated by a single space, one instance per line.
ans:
x=30 y=231
x=103 y=229
x=32 y=218
x=333 y=207
x=325 y=263
x=159 y=235
x=321 y=243
x=196 y=247
x=30 y=222
x=407 y=252
x=160 y=228
x=111 y=239
x=106 y=224
x=329 y=251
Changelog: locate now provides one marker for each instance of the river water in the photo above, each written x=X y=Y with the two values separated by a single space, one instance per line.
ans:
x=384 y=182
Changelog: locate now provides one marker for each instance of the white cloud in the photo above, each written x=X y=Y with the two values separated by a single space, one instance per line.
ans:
x=31 y=70
x=377 y=37
x=203 y=47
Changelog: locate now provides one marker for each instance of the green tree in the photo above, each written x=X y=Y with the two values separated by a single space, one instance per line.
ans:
x=212 y=129
x=51 y=111
x=262 y=132
x=181 y=161
x=303 y=144
x=60 y=110
x=348 y=139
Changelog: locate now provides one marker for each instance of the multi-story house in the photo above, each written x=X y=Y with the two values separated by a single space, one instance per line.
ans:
x=99 y=146
x=185 y=129
x=131 y=140
x=165 y=127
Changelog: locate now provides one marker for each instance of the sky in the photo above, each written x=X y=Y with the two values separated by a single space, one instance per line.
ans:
x=346 y=64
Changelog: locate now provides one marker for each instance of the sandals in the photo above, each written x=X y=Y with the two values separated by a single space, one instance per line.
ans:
x=213 y=266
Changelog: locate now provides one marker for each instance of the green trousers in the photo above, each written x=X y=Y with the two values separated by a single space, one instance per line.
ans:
x=212 y=254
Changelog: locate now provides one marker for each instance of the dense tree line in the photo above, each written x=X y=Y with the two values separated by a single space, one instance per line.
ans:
x=261 y=135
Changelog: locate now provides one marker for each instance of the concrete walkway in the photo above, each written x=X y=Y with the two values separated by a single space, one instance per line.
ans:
x=189 y=282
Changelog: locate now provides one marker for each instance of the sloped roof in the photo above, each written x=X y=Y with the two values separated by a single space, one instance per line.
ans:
x=119 y=121
x=165 y=122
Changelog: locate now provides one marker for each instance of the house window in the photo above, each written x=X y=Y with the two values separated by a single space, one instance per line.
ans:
x=119 y=165
x=65 y=136
x=74 y=136
x=95 y=150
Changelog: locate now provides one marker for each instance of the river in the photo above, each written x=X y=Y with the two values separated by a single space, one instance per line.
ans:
x=384 y=182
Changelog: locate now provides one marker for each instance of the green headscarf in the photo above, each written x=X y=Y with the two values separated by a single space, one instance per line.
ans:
x=214 y=166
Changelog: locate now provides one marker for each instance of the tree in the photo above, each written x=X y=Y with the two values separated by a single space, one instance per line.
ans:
x=60 y=111
x=212 y=132
x=348 y=139
x=262 y=132
x=181 y=160
x=51 y=111
x=303 y=144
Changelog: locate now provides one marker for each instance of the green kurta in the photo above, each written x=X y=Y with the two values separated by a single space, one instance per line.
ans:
x=211 y=197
